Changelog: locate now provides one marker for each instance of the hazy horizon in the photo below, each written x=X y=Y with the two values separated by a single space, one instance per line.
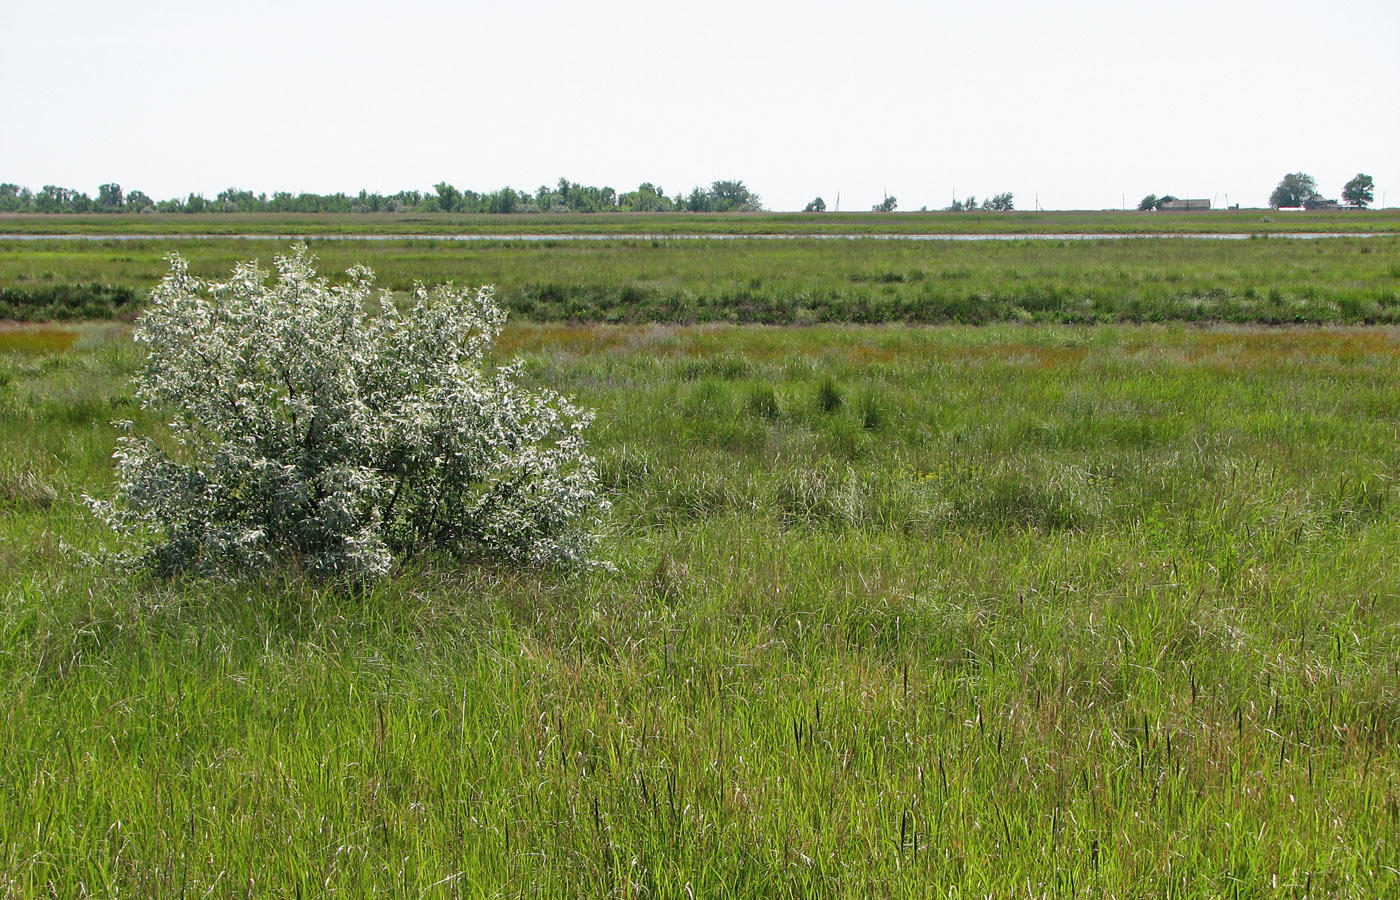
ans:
x=1084 y=105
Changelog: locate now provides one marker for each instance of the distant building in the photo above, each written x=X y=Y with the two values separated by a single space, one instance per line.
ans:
x=1183 y=205
x=1318 y=202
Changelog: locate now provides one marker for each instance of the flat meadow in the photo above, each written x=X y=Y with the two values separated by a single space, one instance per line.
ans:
x=792 y=281
x=1007 y=610
x=1108 y=221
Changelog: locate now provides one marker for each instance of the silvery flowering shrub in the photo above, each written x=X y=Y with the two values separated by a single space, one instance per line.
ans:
x=317 y=425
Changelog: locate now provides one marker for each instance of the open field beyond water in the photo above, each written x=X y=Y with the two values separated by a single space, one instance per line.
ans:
x=899 y=612
x=1337 y=280
x=1262 y=221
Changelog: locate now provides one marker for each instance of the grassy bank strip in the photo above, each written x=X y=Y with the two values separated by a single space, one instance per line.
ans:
x=1023 y=612
x=1058 y=222
x=1335 y=281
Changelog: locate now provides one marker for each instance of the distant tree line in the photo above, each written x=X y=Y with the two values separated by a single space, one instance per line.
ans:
x=1005 y=202
x=996 y=203
x=1297 y=189
x=566 y=196
x=1300 y=189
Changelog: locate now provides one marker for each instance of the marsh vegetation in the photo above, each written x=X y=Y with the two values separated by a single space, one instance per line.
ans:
x=1337 y=280
x=1004 y=610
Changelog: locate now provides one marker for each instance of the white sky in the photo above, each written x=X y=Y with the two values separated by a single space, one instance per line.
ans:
x=1081 y=102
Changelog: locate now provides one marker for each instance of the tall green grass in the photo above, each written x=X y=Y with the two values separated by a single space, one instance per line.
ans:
x=1027 y=613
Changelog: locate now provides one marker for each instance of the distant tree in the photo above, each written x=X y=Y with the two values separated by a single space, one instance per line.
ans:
x=558 y=199
x=406 y=200
x=195 y=203
x=733 y=196
x=1360 y=191
x=506 y=200
x=54 y=199
x=50 y=199
x=1148 y=202
x=1000 y=203
x=963 y=206
x=886 y=205
x=448 y=196
x=571 y=196
x=471 y=202
x=136 y=201
x=14 y=198
x=1292 y=190
x=234 y=200
x=699 y=200
x=817 y=205
x=368 y=202
x=109 y=197
x=646 y=198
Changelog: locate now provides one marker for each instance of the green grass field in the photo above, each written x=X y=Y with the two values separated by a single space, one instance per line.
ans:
x=1278 y=281
x=899 y=612
x=1261 y=221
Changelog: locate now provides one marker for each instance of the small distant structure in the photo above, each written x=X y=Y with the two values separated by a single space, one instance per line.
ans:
x=1319 y=202
x=1183 y=205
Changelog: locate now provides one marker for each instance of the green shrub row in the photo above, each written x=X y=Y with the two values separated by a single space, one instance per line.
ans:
x=57 y=302
x=1039 y=304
